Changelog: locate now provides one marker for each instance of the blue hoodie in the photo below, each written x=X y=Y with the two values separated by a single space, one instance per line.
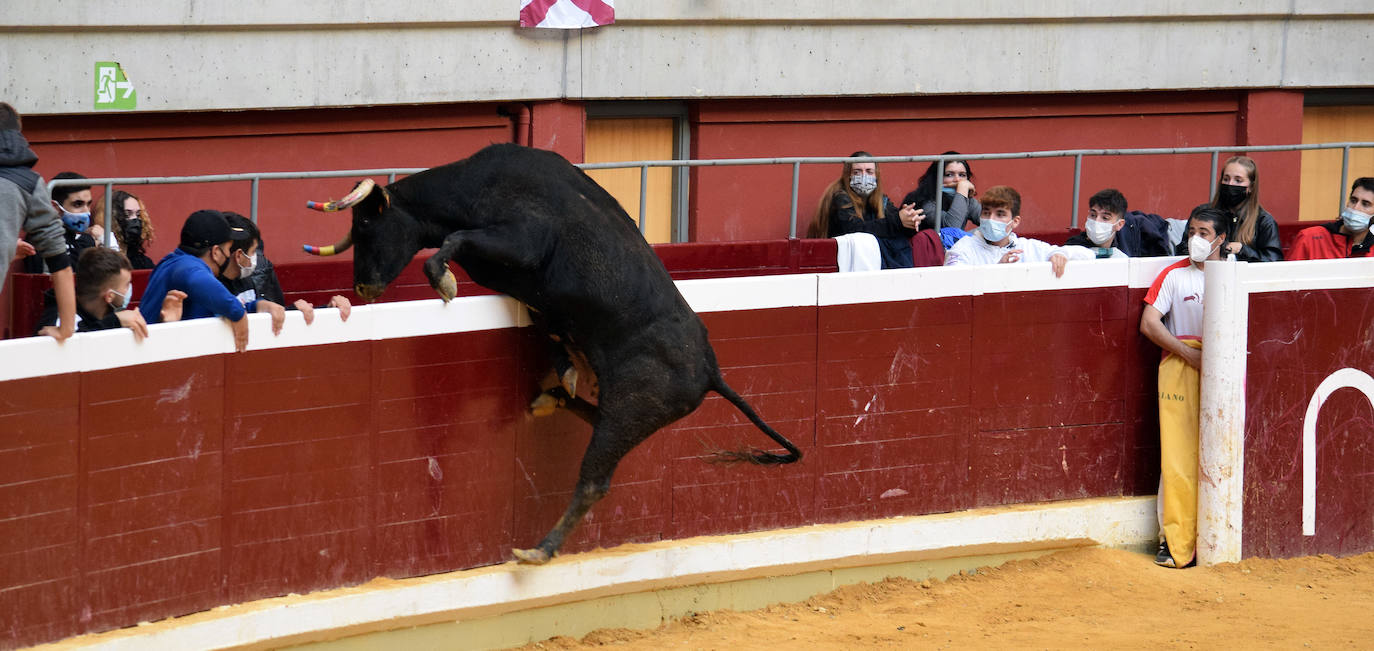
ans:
x=205 y=296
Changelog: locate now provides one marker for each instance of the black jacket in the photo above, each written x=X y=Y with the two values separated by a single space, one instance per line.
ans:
x=894 y=239
x=1145 y=235
x=85 y=323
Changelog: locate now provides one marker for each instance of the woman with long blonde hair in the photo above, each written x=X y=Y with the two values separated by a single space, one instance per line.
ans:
x=854 y=203
x=1254 y=235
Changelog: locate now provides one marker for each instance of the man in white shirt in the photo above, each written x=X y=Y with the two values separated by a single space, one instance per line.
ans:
x=1172 y=319
x=995 y=241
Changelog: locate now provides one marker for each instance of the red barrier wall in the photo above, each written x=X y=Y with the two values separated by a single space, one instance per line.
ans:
x=1330 y=326
x=223 y=478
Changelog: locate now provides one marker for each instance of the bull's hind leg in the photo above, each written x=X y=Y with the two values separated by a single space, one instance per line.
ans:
x=617 y=432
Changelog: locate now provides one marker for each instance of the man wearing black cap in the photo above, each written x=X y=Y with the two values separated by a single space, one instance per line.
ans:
x=193 y=268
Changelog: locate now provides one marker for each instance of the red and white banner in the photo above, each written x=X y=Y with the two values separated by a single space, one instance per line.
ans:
x=566 y=14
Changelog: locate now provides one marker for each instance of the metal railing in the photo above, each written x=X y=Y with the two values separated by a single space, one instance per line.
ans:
x=255 y=178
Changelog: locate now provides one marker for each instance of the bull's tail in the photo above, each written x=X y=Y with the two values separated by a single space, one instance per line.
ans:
x=761 y=457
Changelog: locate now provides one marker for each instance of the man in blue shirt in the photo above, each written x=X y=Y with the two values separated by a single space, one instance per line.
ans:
x=193 y=268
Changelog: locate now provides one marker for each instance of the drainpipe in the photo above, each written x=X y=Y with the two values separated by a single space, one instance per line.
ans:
x=520 y=121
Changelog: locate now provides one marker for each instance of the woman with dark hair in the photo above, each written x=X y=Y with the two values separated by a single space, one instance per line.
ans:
x=854 y=203
x=1254 y=235
x=133 y=227
x=954 y=188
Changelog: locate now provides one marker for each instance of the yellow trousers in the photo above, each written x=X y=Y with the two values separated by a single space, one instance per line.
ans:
x=1178 y=451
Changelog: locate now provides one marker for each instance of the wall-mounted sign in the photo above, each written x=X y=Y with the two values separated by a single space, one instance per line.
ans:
x=113 y=90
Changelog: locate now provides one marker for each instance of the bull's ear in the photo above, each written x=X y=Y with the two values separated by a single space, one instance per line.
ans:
x=375 y=203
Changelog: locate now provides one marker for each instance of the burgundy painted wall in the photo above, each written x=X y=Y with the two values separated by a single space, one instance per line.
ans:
x=754 y=202
x=1327 y=325
x=183 y=485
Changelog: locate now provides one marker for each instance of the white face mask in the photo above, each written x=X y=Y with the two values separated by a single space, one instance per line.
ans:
x=246 y=271
x=1199 y=248
x=1099 y=232
x=122 y=300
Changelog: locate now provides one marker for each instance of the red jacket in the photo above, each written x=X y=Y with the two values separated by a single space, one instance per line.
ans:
x=1326 y=242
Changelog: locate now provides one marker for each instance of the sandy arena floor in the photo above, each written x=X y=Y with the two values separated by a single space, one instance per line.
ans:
x=1088 y=598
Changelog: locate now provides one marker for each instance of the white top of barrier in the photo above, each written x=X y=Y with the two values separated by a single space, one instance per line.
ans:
x=40 y=356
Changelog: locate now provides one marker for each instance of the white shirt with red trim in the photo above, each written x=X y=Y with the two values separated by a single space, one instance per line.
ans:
x=1177 y=293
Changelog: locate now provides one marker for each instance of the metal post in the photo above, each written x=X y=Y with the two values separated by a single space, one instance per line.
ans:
x=1212 y=192
x=1345 y=173
x=796 y=180
x=253 y=206
x=643 y=197
x=390 y=178
x=1077 y=180
x=939 y=193
x=109 y=210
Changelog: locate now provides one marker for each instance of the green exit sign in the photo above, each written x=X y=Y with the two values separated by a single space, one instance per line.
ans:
x=113 y=90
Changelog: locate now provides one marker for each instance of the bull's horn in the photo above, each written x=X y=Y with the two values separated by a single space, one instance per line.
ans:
x=359 y=192
x=332 y=249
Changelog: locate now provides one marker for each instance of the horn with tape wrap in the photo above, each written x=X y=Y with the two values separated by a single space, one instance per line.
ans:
x=359 y=192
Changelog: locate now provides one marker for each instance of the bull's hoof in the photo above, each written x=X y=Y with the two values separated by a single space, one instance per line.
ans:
x=448 y=286
x=534 y=556
x=569 y=380
x=543 y=405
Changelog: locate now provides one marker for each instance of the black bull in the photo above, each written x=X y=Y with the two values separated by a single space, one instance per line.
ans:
x=527 y=223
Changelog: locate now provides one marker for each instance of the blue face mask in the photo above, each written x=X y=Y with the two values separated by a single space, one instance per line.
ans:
x=948 y=191
x=76 y=221
x=993 y=230
x=1355 y=220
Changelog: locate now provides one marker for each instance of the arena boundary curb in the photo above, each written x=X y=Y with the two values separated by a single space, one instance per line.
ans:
x=391 y=604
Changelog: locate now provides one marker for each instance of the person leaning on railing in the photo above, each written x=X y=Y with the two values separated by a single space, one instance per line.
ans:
x=1254 y=235
x=252 y=279
x=854 y=203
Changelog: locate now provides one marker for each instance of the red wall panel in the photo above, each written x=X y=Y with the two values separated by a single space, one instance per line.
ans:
x=1326 y=325
x=39 y=509
x=233 y=477
x=150 y=432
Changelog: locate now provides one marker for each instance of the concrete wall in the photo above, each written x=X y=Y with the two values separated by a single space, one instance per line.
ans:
x=261 y=54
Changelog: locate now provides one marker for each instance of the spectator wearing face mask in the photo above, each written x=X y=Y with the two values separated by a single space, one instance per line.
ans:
x=104 y=286
x=1111 y=232
x=1347 y=237
x=1254 y=235
x=995 y=241
x=1172 y=319
x=854 y=203
x=955 y=191
x=73 y=205
x=193 y=268
x=133 y=229
x=251 y=278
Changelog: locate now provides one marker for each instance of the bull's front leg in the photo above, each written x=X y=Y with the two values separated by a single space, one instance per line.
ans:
x=506 y=246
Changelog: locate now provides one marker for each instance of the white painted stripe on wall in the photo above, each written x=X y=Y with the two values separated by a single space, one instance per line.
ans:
x=749 y=293
x=39 y=356
x=1143 y=271
x=1309 y=274
x=506 y=588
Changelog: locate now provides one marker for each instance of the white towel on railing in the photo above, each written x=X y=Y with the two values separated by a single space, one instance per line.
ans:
x=858 y=252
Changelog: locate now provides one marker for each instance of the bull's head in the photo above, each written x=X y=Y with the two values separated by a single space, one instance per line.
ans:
x=384 y=237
